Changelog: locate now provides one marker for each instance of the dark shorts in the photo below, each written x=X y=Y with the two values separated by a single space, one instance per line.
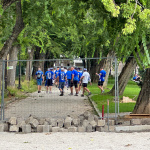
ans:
x=49 y=82
x=39 y=82
x=61 y=85
x=100 y=83
x=84 y=84
x=74 y=83
x=69 y=82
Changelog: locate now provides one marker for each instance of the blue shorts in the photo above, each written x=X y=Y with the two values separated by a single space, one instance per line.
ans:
x=39 y=82
x=69 y=82
x=61 y=85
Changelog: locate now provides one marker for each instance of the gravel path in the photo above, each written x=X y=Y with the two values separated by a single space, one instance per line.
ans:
x=75 y=141
x=48 y=105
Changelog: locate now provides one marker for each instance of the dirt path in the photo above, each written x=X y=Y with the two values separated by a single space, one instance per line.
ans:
x=48 y=105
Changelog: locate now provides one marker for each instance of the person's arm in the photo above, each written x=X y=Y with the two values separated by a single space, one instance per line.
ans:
x=72 y=77
x=97 y=74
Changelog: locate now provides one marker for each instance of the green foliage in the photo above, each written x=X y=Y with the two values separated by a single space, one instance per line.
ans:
x=111 y=7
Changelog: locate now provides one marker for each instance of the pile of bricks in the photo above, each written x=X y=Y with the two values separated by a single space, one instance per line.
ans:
x=86 y=122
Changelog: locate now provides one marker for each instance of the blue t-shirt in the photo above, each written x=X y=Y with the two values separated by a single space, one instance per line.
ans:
x=75 y=73
x=102 y=75
x=61 y=76
x=134 y=78
x=79 y=75
x=39 y=74
x=49 y=74
x=56 y=73
x=69 y=74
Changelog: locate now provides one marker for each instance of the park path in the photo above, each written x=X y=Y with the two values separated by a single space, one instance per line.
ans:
x=46 y=105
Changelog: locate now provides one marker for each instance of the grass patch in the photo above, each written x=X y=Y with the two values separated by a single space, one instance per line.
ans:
x=26 y=87
x=132 y=91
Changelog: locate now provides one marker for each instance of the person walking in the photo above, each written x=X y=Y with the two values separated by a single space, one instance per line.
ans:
x=39 y=79
x=55 y=76
x=49 y=79
x=69 y=76
x=74 y=81
x=85 y=79
x=61 y=78
x=79 y=76
x=101 y=75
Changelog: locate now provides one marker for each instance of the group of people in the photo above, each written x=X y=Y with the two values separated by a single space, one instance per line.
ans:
x=71 y=77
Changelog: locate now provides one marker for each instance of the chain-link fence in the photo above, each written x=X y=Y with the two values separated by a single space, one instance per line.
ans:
x=20 y=97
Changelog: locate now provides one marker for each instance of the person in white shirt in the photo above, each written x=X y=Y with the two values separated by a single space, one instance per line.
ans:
x=85 y=79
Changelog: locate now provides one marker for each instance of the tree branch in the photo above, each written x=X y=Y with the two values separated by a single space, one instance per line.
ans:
x=16 y=31
x=7 y=3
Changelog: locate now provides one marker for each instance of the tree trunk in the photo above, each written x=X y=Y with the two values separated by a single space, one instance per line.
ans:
x=37 y=64
x=107 y=66
x=29 y=65
x=143 y=102
x=19 y=25
x=16 y=31
x=125 y=75
x=95 y=67
x=11 y=75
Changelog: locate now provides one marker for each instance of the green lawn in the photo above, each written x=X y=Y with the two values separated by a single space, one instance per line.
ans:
x=132 y=90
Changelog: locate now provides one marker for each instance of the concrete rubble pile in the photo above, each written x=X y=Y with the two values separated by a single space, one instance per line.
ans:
x=86 y=122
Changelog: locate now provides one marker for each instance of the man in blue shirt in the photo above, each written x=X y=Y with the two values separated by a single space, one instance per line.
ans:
x=69 y=76
x=79 y=76
x=74 y=81
x=101 y=75
x=49 y=79
x=55 y=76
x=61 y=78
x=39 y=79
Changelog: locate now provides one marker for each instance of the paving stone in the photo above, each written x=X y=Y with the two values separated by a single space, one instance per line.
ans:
x=135 y=121
x=76 y=122
x=67 y=124
x=53 y=122
x=48 y=120
x=40 y=128
x=101 y=123
x=50 y=128
x=34 y=129
x=98 y=128
x=41 y=121
x=46 y=128
x=81 y=118
x=26 y=128
x=89 y=128
x=13 y=120
x=145 y=121
x=126 y=123
x=55 y=129
x=72 y=129
x=21 y=123
x=91 y=118
x=96 y=118
x=111 y=122
x=86 y=114
x=46 y=123
x=81 y=129
x=85 y=123
x=34 y=123
x=61 y=130
x=4 y=127
x=93 y=123
x=60 y=123
x=14 y=128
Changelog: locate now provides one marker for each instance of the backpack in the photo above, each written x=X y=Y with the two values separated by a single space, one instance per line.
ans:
x=39 y=75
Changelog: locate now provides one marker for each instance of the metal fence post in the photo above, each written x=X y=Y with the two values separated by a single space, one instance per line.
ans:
x=117 y=86
x=3 y=86
x=115 y=89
